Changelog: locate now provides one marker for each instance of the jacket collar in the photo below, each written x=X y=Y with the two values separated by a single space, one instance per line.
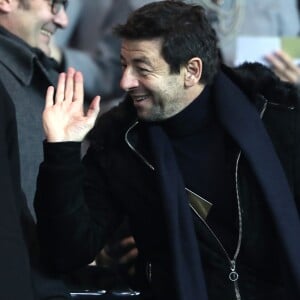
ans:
x=20 y=58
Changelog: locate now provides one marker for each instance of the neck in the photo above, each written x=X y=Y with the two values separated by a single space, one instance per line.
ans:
x=193 y=92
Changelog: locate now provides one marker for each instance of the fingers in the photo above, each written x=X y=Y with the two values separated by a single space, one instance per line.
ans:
x=94 y=109
x=129 y=256
x=275 y=62
x=69 y=85
x=70 y=90
x=49 y=97
x=283 y=65
x=127 y=241
x=286 y=59
x=60 y=90
x=78 y=88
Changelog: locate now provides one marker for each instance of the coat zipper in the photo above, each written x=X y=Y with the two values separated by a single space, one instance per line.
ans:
x=133 y=149
x=233 y=274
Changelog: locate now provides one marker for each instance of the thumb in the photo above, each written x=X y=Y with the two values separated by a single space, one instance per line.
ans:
x=94 y=109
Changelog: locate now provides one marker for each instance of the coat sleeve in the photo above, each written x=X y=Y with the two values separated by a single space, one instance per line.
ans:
x=75 y=214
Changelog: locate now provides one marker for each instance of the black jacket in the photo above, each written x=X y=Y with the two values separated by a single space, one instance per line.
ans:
x=119 y=179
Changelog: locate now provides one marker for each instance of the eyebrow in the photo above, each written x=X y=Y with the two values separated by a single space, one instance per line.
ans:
x=64 y=2
x=142 y=59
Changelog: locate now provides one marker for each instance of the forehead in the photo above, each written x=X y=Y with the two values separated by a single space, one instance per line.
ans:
x=148 y=50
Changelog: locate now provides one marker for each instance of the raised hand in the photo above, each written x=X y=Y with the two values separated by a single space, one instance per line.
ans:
x=284 y=67
x=64 y=118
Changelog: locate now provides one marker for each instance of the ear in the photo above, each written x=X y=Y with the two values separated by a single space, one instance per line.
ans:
x=6 y=6
x=193 y=71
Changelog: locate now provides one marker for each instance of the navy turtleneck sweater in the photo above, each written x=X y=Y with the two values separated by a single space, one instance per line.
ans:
x=204 y=153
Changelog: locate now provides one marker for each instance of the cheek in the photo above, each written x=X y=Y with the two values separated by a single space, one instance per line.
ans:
x=29 y=36
x=31 y=31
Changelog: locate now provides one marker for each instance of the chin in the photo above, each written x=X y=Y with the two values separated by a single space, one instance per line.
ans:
x=143 y=117
x=148 y=118
x=149 y=115
x=45 y=49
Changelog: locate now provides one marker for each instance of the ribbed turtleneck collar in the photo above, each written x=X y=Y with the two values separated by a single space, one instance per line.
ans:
x=191 y=119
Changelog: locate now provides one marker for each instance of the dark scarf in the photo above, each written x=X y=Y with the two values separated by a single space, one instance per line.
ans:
x=184 y=250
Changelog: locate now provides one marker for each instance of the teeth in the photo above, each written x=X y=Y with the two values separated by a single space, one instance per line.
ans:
x=48 y=33
x=140 y=98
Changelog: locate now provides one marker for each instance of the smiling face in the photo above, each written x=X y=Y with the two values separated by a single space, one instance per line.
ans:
x=156 y=93
x=34 y=22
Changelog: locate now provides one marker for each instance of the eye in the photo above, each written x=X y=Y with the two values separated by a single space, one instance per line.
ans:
x=143 y=71
x=123 y=66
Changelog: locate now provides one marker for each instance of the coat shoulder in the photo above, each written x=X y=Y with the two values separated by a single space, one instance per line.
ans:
x=255 y=78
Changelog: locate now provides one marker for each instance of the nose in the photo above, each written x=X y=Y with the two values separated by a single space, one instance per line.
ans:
x=61 y=19
x=129 y=80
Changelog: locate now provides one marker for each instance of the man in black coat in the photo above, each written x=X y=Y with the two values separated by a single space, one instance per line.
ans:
x=25 y=71
x=203 y=159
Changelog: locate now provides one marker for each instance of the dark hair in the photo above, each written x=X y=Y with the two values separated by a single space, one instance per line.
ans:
x=184 y=29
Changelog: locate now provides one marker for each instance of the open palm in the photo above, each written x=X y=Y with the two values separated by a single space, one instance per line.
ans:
x=64 y=118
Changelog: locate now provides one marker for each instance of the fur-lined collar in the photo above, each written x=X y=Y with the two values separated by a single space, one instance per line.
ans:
x=255 y=78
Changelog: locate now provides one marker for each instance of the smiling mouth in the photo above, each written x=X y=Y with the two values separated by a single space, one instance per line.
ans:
x=139 y=98
x=47 y=33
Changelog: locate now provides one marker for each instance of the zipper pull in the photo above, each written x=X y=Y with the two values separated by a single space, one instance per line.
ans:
x=149 y=272
x=233 y=275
